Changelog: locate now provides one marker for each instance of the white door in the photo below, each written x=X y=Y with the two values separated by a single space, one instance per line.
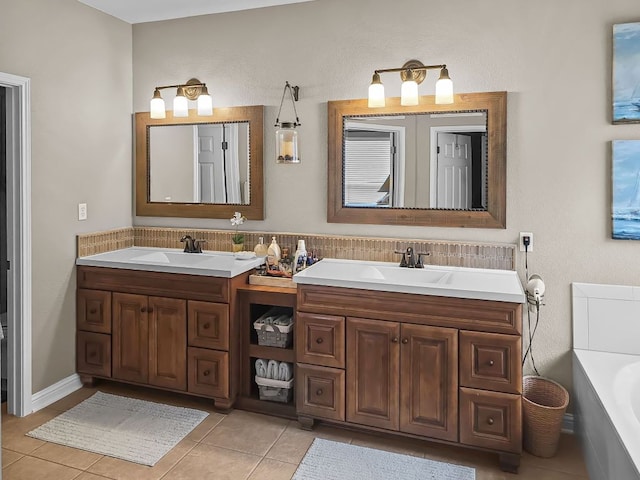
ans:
x=454 y=171
x=218 y=177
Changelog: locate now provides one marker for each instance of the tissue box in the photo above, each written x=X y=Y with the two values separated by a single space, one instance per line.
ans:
x=275 y=390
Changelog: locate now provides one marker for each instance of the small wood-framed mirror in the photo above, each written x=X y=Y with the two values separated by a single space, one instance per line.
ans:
x=200 y=167
x=399 y=165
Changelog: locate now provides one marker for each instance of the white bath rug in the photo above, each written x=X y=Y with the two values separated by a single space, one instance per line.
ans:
x=327 y=460
x=127 y=428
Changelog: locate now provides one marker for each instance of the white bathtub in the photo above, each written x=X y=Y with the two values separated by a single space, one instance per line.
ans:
x=607 y=413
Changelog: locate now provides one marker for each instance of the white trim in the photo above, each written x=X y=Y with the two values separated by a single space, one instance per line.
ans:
x=19 y=242
x=433 y=157
x=55 y=392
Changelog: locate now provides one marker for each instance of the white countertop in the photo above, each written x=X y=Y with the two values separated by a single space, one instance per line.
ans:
x=174 y=260
x=459 y=282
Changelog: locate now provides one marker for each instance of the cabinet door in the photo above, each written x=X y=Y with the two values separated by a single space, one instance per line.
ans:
x=320 y=339
x=130 y=337
x=93 y=355
x=93 y=310
x=429 y=381
x=209 y=372
x=320 y=391
x=208 y=325
x=373 y=377
x=168 y=342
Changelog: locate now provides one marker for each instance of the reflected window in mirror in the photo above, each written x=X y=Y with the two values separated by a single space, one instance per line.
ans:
x=437 y=165
x=200 y=168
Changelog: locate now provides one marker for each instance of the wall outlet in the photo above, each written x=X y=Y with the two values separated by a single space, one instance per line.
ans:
x=82 y=211
x=523 y=236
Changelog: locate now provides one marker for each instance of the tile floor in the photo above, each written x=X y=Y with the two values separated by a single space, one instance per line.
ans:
x=237 y=446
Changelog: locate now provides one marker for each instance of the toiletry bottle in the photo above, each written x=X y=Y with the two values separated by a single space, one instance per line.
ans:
x=300 y=258
x=273 y=252
x=260 y=249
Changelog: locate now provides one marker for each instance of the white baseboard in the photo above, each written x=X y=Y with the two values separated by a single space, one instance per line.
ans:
x=567 y=423
x=55 y=392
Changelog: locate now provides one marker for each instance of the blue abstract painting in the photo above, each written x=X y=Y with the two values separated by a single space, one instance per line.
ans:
x=626 y=73
x=626 y=189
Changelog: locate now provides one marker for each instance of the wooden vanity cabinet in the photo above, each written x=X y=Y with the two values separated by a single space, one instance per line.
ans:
x=422 y=366
x=170 y=331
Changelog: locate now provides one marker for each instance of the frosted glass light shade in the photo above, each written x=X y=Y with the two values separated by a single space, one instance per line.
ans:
x=205 y=105
x=157 y=108
x=180 y=105
x=444 y=88
x=409 y=93
x=287 y=144
x=376 y=92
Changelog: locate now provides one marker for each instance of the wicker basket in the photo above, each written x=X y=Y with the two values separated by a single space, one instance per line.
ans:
x=543 y=405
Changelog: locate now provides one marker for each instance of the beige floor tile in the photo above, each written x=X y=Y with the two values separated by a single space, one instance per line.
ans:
x=292 y=445
x=203 y=429
x=89 y=476
x=15 y=428
x=30 y=468
x=122 y=470
x=9 y=456
x=71 y=457
x=246 y=432
x=207 y=461
x=526 y=472
x=568 y=459
x=329 y=432
x=269 y=469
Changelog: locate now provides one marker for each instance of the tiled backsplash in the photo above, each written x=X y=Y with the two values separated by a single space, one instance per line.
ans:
x=451 y=253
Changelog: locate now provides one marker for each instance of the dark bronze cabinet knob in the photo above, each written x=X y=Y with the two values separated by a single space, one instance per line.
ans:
x=143 y=309
x=319 y=340
x=394 y=339
x=490 y=421
x=206 y=373
x=405 y=341
x=206 y=326
x=319 y=392
x=491 y=363
x=93 y=311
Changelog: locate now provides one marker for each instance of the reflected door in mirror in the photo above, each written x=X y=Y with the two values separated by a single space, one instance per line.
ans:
x=201 y=163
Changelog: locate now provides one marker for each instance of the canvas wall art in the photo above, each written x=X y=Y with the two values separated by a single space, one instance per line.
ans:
x=626 y=73
x=626 y=190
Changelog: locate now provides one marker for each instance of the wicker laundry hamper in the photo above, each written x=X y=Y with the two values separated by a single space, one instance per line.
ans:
x=543 y=405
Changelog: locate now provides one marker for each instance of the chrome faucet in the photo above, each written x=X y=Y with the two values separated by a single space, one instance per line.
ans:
x=191 y=245
x=411 y=259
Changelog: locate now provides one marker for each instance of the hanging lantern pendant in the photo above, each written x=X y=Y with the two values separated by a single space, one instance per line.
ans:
x=286 y=133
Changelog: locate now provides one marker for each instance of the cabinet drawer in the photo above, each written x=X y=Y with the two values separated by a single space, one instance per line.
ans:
x=208 y=372
x=93 y=354
x=320 y=339
x=208 y=325
x=93 y=312
x=491 y=420
x=320 y=392
x=491 y=361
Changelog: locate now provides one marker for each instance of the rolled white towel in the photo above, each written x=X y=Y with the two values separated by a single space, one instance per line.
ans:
x=273 y=369
x=261 y=368
x=284 y=372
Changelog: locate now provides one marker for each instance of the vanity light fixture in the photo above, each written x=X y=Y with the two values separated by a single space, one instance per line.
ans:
x=194 y=89
x=286 y=134
x=412 y=73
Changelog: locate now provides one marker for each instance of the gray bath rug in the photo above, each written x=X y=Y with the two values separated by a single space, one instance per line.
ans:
x=134 y=430
x=327 y=460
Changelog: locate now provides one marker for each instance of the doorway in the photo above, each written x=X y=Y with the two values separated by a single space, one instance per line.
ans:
x=3 y=240
x=16 y=132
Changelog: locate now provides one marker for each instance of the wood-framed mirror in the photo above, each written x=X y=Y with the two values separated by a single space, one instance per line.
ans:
x=428 y=165
x=200 y=167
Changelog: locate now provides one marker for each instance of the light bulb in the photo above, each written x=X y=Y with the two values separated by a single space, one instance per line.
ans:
x=444 y=88
x=409 y=93
x=180 y=104
x=156 y=106
x=376 y=92
x=205 y=103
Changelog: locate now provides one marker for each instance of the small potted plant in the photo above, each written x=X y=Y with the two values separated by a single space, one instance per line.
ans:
x=238 y=238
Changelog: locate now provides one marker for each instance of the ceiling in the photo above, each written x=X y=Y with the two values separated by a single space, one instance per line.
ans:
x=140 y=11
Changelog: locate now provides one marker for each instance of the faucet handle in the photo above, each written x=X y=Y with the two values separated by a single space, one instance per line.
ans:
x=197 y=245
x=419 y=262
x=403 y=262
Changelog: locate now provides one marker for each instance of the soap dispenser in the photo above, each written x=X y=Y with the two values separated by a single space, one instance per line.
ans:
x=260 y=249
x=273 y=252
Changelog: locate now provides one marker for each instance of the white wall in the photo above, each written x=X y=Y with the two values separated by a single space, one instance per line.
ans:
x=79 y=62
x=554 y=59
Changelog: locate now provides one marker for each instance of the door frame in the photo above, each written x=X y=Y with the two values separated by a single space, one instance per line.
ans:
x=433 y=155
x=19 y=304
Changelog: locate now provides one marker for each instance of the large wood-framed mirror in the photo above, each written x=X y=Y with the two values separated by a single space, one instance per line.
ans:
x=200 y=167
x=430 y=165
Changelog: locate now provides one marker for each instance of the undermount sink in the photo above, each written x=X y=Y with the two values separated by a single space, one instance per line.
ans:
x=461 y=282
x=212 y=263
